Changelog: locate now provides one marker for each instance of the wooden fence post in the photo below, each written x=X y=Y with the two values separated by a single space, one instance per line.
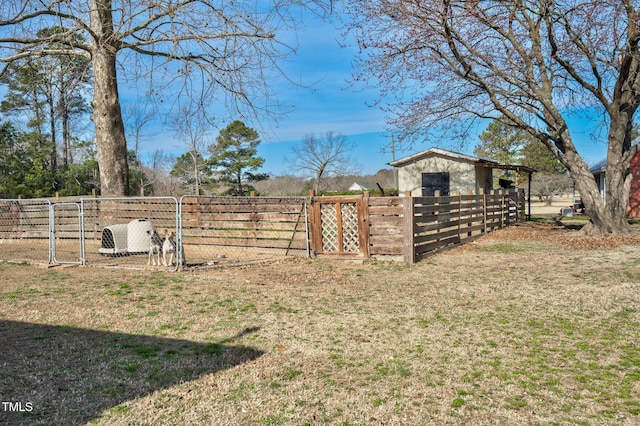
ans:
x=436 y=213
x=484 y=209
x=471 y=213
x=502 y=221
x=409 y=230
x=459 y=195
x=364 y=225
x=314 y=224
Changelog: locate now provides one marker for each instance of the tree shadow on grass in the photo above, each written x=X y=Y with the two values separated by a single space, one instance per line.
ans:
x=570 y=225
x=69 y=376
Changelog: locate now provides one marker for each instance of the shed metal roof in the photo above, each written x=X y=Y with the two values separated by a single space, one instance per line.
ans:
x=459 y=156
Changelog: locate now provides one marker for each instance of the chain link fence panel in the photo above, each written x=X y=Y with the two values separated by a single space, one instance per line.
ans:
x=25 y=230
x=219 y=231
x=137 y=232
x=155 y=232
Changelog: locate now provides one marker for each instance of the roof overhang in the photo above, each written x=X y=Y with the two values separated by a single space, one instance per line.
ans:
x=516 y=167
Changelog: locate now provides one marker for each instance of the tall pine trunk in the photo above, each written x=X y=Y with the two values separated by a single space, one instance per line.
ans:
x=107 y=115
x=54 y=146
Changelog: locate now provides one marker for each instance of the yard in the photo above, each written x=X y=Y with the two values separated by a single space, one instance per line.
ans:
x=528 y=325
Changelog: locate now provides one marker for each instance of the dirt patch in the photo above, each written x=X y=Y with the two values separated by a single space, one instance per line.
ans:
x=520 y=327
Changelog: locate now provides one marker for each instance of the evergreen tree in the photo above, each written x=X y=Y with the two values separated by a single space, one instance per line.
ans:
x=506 y=143
x=536 y=155
x=234 y=157
x=82 y=176
x=24 y=168
x=502 y=142
x=50 y=91
x=10 y=161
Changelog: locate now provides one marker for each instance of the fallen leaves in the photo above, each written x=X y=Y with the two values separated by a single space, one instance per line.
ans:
x=560 y=235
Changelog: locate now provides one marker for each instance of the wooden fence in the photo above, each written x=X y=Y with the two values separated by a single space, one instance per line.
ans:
x=403 y=227
x=439 y=222
x=410 y=227
x=22 y=219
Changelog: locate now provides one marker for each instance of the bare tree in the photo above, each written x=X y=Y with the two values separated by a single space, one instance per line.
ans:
x=451 y=62
x=159 y=174
x=190 y=127
x=546 y=186
x=137 y=117
x=323 y=157
x=215 y=48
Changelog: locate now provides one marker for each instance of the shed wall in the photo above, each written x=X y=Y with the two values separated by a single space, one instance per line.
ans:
x=462 y=174
x=484 y=179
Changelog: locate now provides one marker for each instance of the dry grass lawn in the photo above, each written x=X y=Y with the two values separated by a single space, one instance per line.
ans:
x=528 y=326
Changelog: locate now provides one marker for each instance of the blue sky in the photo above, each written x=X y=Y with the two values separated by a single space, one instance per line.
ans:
x=324 y=101
x=325 y=62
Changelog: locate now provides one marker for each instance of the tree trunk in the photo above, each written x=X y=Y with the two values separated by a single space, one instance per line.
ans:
x=608 y=216
x=196 y=175
x=66 y=144
x=54 y=147
x=107 y=115
x=239 y=183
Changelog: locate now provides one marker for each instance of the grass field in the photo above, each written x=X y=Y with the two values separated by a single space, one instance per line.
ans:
x=528 y=326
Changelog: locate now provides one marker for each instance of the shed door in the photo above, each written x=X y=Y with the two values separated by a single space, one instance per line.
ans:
x=432 y=182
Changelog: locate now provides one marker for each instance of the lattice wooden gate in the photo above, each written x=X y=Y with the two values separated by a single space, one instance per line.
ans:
x=338 y=226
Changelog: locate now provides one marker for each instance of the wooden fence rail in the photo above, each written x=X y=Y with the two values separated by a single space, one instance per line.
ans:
x=403 y=227
x=413 y=227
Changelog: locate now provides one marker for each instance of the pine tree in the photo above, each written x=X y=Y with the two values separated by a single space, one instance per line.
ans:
x=234 y=157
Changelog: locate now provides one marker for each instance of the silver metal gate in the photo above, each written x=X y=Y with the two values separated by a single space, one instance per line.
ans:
x=66 y=233
x=25 y=230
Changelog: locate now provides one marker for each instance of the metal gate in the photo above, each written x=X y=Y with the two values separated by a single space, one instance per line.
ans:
x=25 y=230
x=66 y=235
x=339 y=226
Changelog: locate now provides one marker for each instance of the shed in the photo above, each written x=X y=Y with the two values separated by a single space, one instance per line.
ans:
x=128 y=238
x=447 y=171
x=599 y=173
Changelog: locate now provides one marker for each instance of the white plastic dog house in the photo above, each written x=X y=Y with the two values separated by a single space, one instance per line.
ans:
x=127 y=238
